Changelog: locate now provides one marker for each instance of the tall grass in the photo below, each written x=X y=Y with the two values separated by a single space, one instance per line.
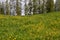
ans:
x=36 y=27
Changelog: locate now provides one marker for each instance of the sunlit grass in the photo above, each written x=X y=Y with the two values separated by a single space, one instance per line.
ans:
x=35 y=27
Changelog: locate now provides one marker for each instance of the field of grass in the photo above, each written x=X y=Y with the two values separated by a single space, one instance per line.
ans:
x=35 y=27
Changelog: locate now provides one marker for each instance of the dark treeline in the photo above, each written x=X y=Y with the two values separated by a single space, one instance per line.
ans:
x=28 y=7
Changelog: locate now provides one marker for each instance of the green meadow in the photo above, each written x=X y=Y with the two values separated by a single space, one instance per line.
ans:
x=44 y=26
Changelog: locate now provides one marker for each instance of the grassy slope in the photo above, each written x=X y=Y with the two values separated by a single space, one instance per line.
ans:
x=36 y=27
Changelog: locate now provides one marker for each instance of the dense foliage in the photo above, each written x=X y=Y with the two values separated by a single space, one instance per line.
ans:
x=15 y=7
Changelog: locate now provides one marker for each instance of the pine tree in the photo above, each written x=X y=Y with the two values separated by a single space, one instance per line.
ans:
x=34 y=6
x=44 y=6
x=2 y=8
x=17 y=7
x=30 y=7
x=50 y=5
x=7 y=8
x=39 y=6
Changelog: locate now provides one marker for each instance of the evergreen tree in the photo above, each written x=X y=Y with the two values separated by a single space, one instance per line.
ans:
x=17 y=7
x=39 y=6
x=44 y=6
x=30 y=7
x=34 y=6
x=7 y=8
x=2 y=8
x=50 y=5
